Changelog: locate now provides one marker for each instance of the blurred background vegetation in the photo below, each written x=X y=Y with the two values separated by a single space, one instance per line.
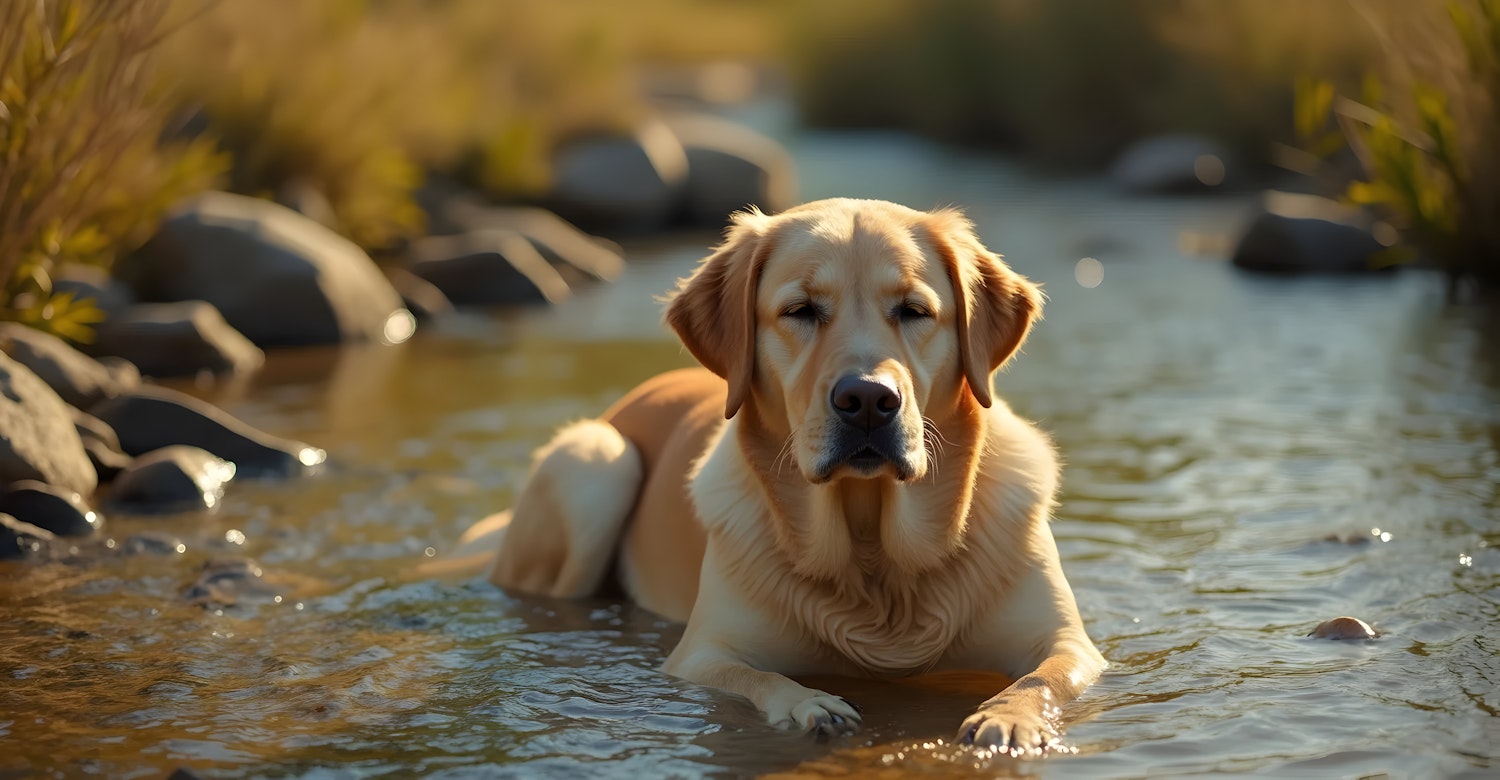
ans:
x=111 y=110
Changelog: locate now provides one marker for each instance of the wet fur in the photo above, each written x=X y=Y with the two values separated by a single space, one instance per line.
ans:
x=781 y=566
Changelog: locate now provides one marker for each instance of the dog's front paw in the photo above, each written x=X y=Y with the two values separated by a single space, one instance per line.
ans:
x=817 y=713
x=1018 y=729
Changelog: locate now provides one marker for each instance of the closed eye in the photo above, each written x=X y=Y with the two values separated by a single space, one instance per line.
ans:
x=910 y=310
x=802 y=310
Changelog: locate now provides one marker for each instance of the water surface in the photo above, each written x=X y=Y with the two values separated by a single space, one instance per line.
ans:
x=1246 y=458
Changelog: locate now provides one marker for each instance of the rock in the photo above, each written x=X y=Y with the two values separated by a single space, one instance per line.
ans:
x=79 y=379
x=278 y=277
x=487 y=267
x=731 y=167
x=1171 y=164
x=37 y=438
x=55 y=509
x=177 y=339
x=171 y=479
x=101 y=444
x=1280 y=244
x=1344 y=628
x=110 y=295
x=20 y=539
x=184 y=773
x=152 y=543
x=307 y=199
x=225 y=582
x=155 y=417
x=628 y=183
x=421 y=297
x=576 y=254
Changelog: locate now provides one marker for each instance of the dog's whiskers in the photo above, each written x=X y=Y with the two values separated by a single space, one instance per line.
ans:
x=785 y=453
x=936 y=443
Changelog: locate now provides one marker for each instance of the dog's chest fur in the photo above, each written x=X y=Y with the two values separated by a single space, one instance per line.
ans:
x=885 y=622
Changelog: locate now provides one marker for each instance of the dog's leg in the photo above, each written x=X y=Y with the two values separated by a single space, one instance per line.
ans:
x=786 y=703
x=1024 y=716
x=567 y=520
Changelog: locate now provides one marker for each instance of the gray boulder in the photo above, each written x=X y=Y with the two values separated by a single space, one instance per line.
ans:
x=1169 y=164
x=171 y=479
x=730 y=167
x=576 y=254
x=37 y=438
x=1307 y=234
x=177 y=339
x=77 y=378
x=155 y=417
x=421 y=297
x=110 y=295
x=58 y=510
x=627 y=183
x=277 y=277
x=101 y=444
x=487 y=268
x=20 y=539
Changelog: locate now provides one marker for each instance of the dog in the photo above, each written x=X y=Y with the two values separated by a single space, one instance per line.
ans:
x=837 y=491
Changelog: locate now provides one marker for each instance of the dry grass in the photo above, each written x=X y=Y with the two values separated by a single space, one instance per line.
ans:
x=1425 y=130
x=81 y=175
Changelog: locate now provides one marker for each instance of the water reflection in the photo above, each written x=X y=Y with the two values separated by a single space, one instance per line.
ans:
x=1231 y=444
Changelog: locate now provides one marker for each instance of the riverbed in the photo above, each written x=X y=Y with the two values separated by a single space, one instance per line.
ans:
x=1246 y=457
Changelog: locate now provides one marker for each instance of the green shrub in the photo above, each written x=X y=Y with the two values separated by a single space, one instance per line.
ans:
x=81 y=174
x=1425 y=132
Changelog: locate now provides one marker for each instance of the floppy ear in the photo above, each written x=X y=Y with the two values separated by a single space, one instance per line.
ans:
x=713 y=311
x=996 y=306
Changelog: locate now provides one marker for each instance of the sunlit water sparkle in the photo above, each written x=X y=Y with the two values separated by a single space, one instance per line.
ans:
x=1246 y=459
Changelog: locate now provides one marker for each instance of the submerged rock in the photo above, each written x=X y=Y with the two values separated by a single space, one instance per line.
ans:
x=1344 y=628
x=178 y=339
x=55 y=509
x=154 y=417
x=20 y=539
x=487 y=268
x=278 y=277
x=77 y=378
x=37 y=437
x=152 y=543
x=226 y=582
x=171 y=479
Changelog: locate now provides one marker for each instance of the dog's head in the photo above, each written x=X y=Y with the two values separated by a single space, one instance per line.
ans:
x=857 y=324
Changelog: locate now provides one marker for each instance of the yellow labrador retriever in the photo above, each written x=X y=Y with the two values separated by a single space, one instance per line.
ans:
x=868 y=509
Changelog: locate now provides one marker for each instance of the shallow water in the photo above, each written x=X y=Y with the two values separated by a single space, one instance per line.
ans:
x=1233 y=443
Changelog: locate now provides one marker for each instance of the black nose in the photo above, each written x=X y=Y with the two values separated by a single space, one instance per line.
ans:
x=865 y=403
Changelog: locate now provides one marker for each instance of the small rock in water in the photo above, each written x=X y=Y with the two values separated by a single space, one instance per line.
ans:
x=153 y=543
x=1344 y=628
x=58 y=510
x=225 y=582
x=171 y=479
x=19 y=539
x=155 y=417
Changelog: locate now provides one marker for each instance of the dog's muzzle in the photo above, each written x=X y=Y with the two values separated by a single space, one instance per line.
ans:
x=866 y=438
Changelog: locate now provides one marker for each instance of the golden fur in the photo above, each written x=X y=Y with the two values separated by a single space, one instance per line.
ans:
x=869 y=508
